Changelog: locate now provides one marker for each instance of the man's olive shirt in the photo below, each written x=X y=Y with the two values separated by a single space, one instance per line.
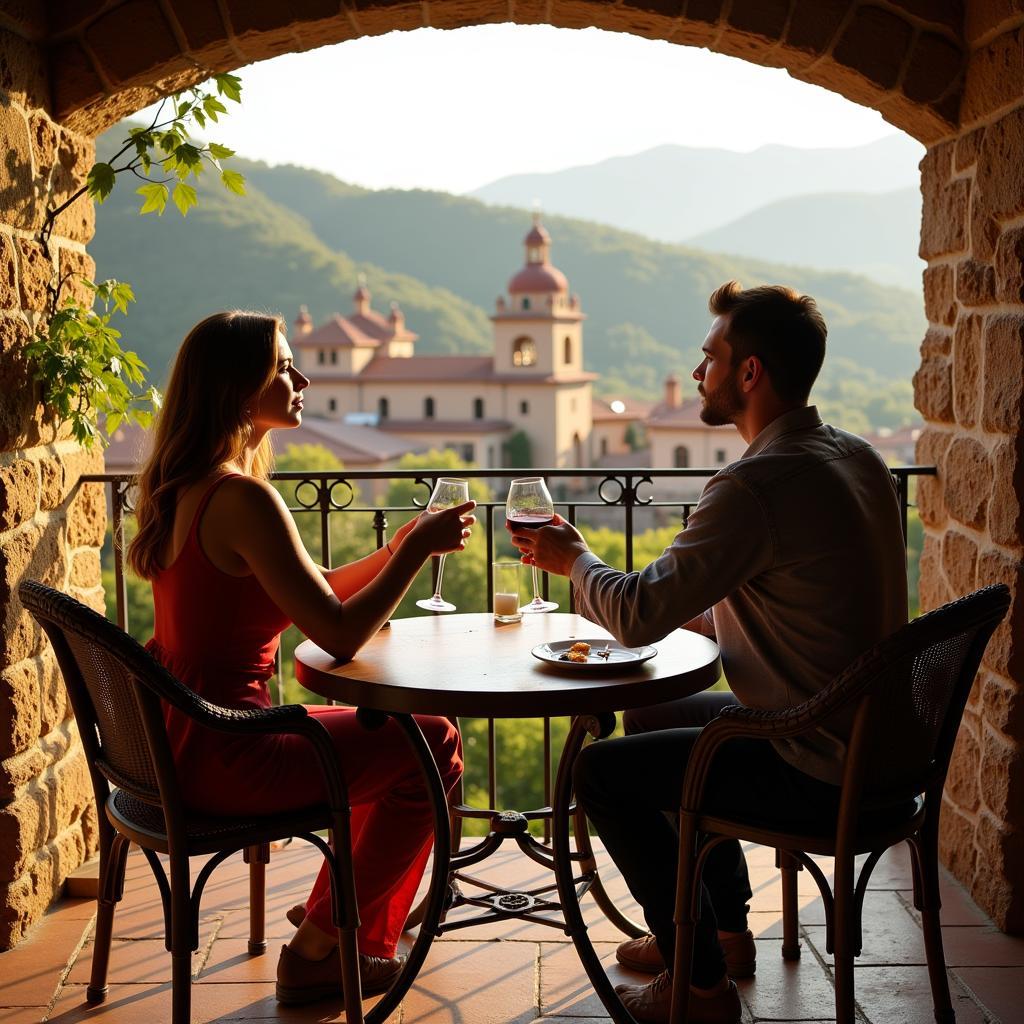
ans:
x=793 y=560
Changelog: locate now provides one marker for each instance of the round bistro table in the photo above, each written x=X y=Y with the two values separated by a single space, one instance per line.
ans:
x=470 y=666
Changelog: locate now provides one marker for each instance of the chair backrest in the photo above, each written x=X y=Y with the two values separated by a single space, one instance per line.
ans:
x=918 y=681
x=112 y=682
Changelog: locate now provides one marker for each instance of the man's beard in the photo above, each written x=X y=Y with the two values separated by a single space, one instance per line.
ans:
x=722 y=405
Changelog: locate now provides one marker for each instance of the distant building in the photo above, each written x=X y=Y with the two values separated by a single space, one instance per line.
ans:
x=897 y=446
x=532 y=382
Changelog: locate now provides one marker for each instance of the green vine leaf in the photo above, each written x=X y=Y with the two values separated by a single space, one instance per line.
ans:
x=230 y=86
x=100 y=181
x=234 y=182
x=184 y=197
x=155 y=195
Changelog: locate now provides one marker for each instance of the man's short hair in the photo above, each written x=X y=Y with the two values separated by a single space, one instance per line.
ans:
x=785 y=330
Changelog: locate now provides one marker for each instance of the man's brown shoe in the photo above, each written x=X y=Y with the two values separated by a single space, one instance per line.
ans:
x=296 y=915
x=740 y=954
x=643 y=955
x=651 y=1003
x=305 y=981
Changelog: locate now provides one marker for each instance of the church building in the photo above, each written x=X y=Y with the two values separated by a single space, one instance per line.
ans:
x=363 y=368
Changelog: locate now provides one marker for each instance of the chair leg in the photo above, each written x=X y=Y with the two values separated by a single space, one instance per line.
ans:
x=350 y=981
x=788 y=867
x=113 y=859
x=257 y=857
x=926 y=856
x=844 y=941
x=183 y=940
x=687 y=902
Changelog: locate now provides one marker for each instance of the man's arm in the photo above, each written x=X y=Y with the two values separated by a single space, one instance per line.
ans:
x=727 y=542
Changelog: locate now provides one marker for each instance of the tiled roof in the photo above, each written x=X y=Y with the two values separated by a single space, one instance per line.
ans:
x=354 y=445
x=429 y=368
x=361 y=330
x=687 y=414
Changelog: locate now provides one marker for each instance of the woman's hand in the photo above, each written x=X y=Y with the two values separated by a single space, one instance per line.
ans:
x=437 y=533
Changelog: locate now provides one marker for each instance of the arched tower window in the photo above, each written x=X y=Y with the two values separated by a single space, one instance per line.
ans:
x=682 y=457
x=567 y=350
x=478 y=408
x=382 y=408
x=428 y=408
x=526 y=302
x=524 y=352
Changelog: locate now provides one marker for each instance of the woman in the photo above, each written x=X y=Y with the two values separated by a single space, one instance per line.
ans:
x=229 y=573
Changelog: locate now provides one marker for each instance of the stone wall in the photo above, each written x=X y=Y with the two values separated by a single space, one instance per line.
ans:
x=970 y=388
x=50 y=525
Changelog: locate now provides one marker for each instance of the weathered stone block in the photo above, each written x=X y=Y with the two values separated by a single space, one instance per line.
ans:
x=75 y=156
x=814 y=23
x=43 y=133
x=19 y=707
x=19 y=493
x=135 y=38
x=1004 y=373
x=200 y=23
x=962 y=781
x=85 y=570
x=1005 y=652
x=998 y=194
x=939 y=295
x=933 y=389
x=81 y=267
x=1000 y=865
x=9 y=298
x=24 y=901
x=1006 y=510
x=35 y=552
x=53 y=697
x=1009 y=266
x=975 y=283
x=933 y=590
x=23 y=71
x=760 y=17
x=956 y=842
x=931 y=449
x=1001 y=771
x=937 y=342
x=875 y=43
x=959 y=561
x=967 y=370
x=35 y=273
x=968 y=481
x=967 y=149
x=934 y=67
x=87 y=517
x=944 y=220
x=995 y=76
x=74 y=80
x=1002 y=705
x=19 y=197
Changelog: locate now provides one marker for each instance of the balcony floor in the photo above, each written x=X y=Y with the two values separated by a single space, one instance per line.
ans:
x=514 y=973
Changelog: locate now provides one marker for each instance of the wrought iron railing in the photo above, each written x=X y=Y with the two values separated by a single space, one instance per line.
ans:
x=580 y=495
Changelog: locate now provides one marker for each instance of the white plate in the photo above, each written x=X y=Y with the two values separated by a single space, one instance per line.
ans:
x=618 y=657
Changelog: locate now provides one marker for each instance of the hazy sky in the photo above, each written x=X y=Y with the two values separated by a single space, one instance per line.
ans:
x=455 y=110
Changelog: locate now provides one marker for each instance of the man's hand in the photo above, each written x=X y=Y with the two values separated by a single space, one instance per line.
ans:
x=552 y=548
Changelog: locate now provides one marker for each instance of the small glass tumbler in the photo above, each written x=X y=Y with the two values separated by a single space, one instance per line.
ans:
x=506 y=591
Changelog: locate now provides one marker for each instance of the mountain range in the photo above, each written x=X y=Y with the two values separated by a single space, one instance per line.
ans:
x=304 y=237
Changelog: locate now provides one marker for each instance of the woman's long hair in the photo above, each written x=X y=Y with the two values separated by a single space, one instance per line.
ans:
x=224 y=365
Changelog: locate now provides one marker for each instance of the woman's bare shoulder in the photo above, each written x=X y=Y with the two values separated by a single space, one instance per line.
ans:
x=247 y=500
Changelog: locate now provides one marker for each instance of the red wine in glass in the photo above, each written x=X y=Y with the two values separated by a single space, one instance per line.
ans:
x=529 y=506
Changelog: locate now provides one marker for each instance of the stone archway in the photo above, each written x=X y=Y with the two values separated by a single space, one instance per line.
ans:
x=949 y=72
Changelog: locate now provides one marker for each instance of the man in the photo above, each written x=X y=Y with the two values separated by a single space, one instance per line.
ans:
x=793 y=560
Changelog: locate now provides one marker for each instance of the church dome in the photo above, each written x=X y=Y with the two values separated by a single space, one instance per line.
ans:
x=538 y=277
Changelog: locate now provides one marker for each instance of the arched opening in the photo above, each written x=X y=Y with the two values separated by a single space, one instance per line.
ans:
x=478 y=408
x=968 y=386
x=567 y=351
x=524 y=352
x=428 y=408
x=681 y=457
x=382 y=408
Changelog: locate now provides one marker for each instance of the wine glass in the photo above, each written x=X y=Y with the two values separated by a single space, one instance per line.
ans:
x=528 y=507
x=448 y=493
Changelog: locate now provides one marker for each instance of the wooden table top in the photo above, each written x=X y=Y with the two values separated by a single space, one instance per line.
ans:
x=471 y=666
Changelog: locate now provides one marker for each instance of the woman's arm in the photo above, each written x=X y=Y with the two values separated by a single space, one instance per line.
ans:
x=251 y=518
x=346 y=580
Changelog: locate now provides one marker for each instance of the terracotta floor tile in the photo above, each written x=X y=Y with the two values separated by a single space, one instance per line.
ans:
x=565 y=989
x=890 y=933
x=784 y=990
x=482 y=983
x=229 y=962
x=21 y=1014
x=235 y=925
x=999 y=989
x=902 y=995
x=982 y=947
x=33 y=968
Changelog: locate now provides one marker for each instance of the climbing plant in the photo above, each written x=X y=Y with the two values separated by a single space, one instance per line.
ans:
x=77 y=353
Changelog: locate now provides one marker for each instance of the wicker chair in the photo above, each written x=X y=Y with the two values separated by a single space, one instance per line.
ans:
x=116 y=689
x=905 y=697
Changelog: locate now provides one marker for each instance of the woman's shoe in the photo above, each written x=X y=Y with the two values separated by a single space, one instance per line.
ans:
x=305 y=981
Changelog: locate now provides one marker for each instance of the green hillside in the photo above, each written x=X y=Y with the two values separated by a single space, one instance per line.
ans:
x=302 y=237
x=623 y=279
